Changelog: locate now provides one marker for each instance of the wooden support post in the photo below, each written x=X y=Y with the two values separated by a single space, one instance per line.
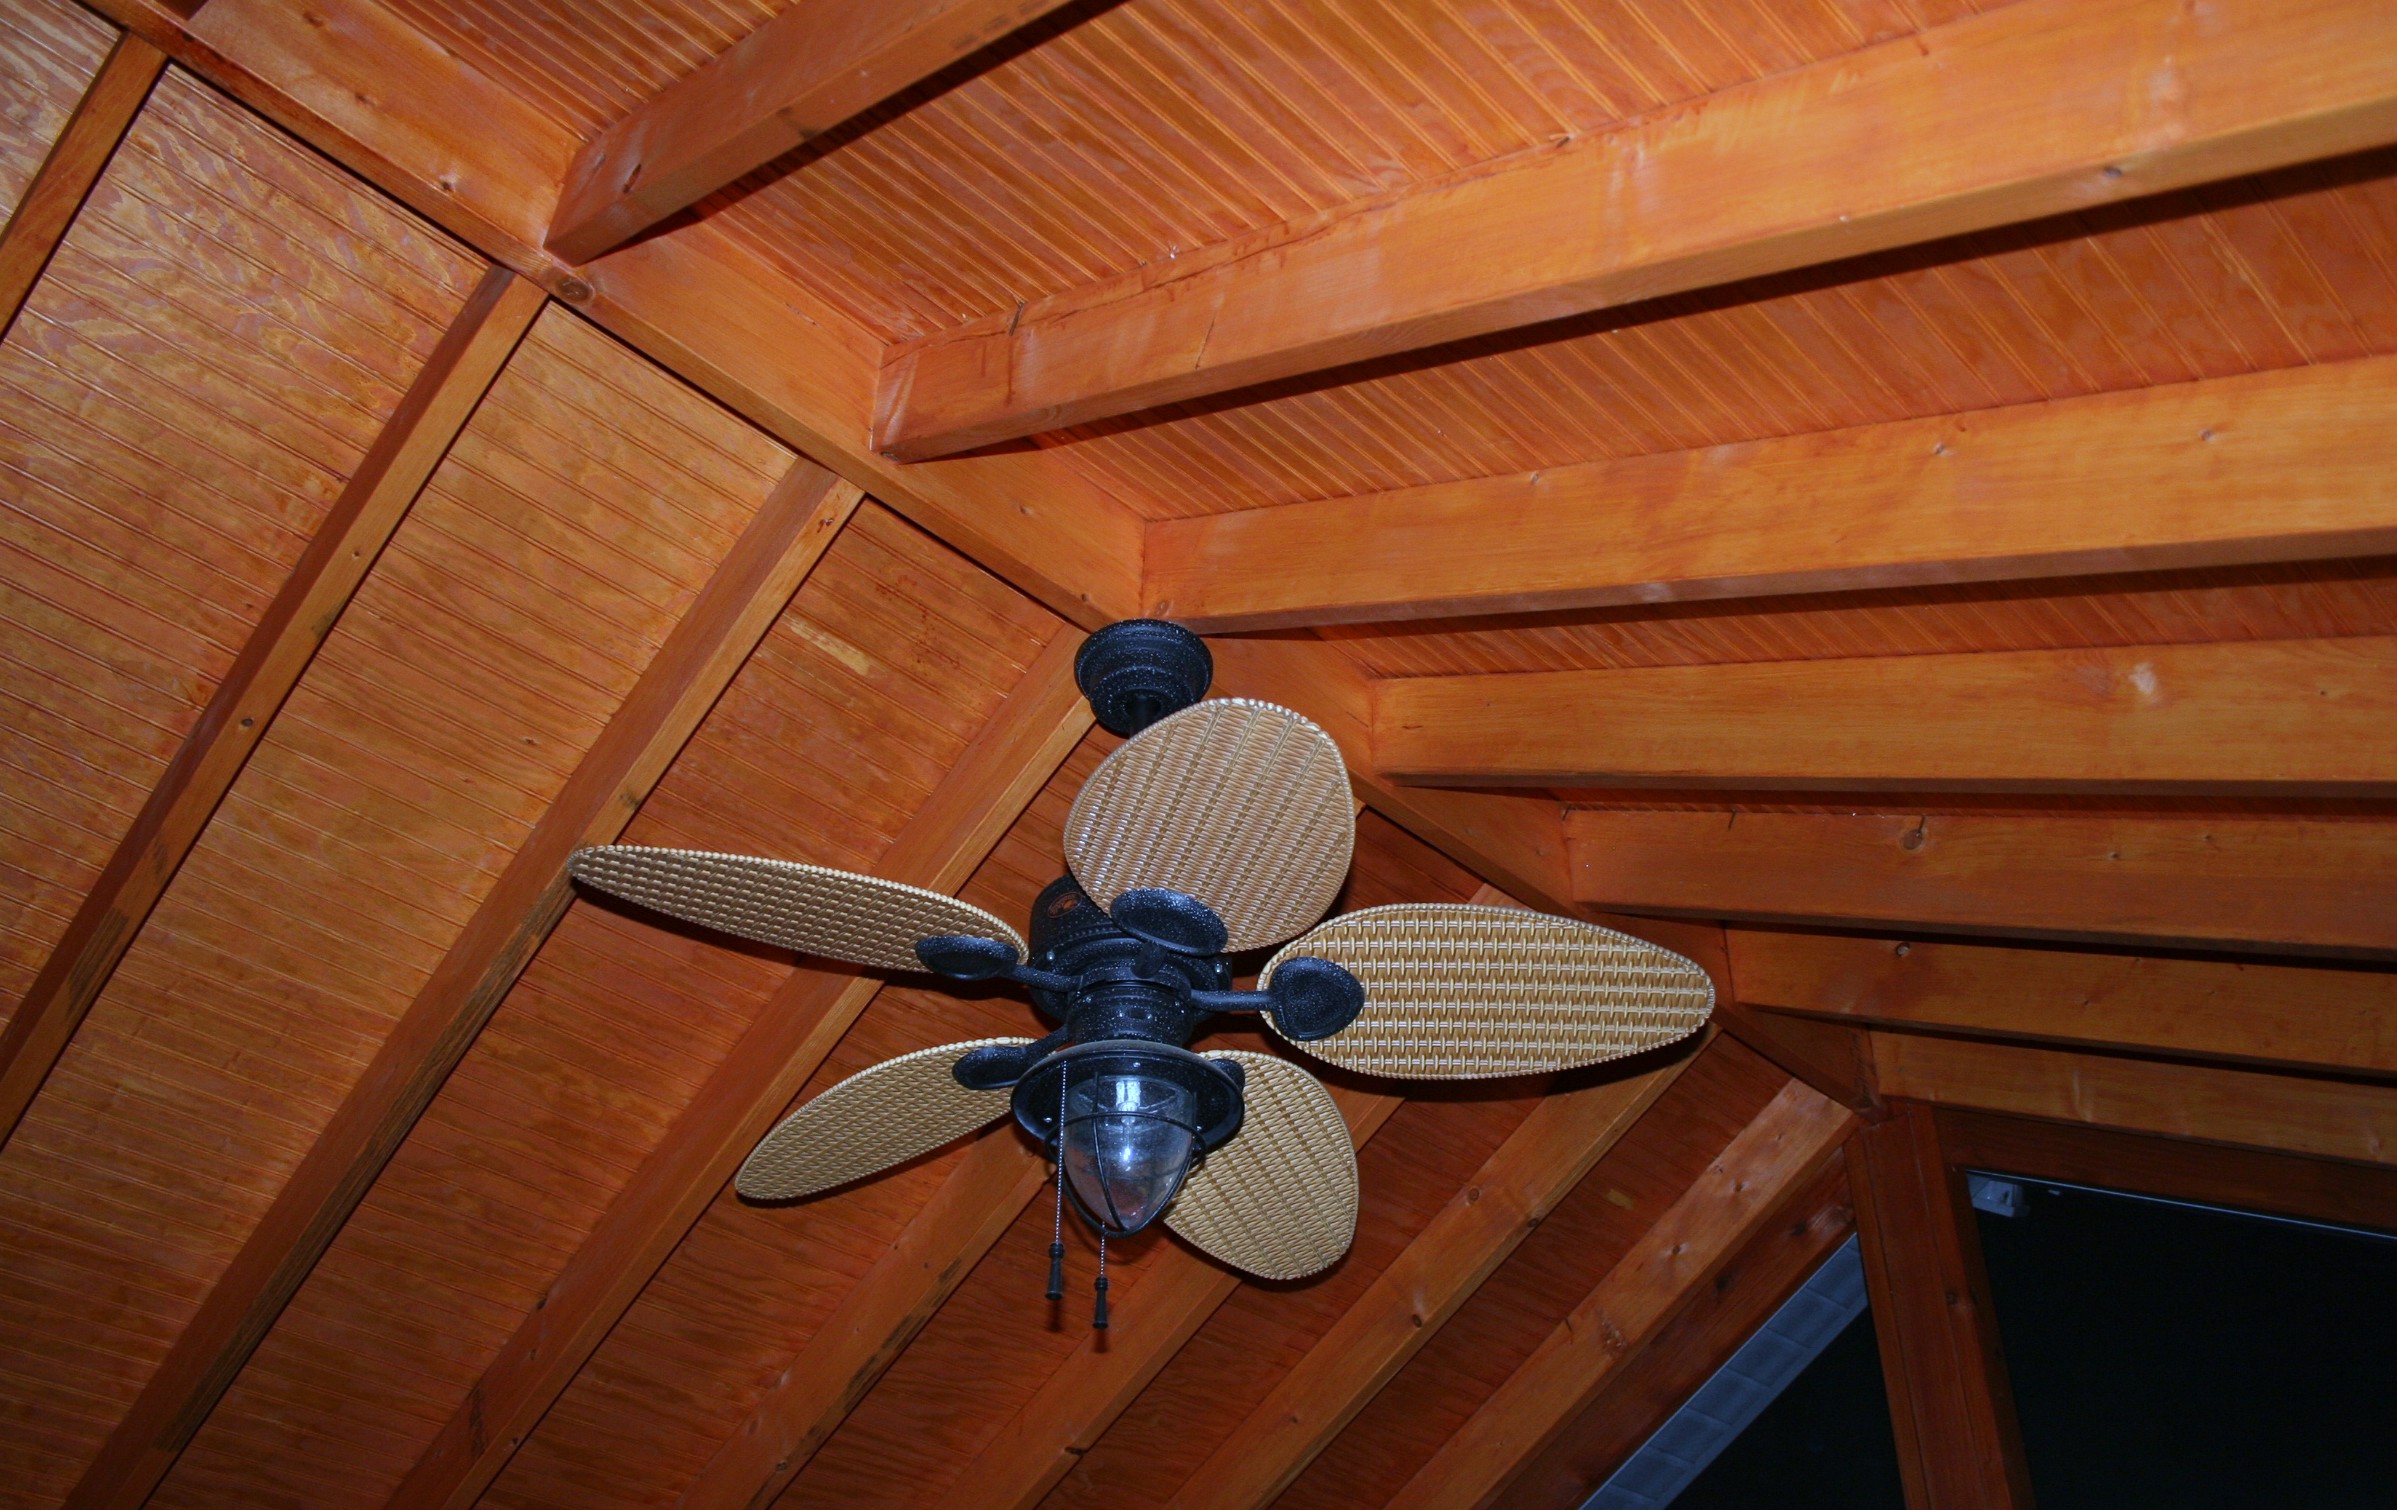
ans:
x=2287 y=717
x=1411 y=1300
x=1957 y=1444
x=353 y=533
x=81 y=153
x=682 y=681
x=968 y=813
x=1781 y=1151
x=1108 y=1370
x=792 y=80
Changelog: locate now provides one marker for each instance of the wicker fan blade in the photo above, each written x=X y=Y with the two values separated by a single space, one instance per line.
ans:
x=838 y=914
x=1240 y=804
x=874 y=1119
x=1461 y=993
x=1279 y=1200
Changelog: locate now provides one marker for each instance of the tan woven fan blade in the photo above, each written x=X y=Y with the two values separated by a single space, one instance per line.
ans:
x=837 y=914
x=874 y=1119
x=1241 y=804
x=1460 y=993
x=1279 y=1200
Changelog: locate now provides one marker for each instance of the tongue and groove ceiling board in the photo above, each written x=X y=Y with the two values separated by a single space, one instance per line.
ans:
x=49 y=50
x=821 y=748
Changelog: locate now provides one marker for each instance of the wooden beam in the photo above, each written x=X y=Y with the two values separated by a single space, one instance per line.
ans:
x=872 y=1326
x=2318 y=1020
x=1411 y=1300
x=682 y=681
x=1949 y=1406
x=2144 y=480
x=2327 y=1119
x=795 y=78
x=2292 y=717
x=2028 y=110
x=1719 y=1319
x=1781 y=1151
x=354 y=80
x=983 y=794
x=346 y=543
x=1835 y=1058
x=2283 y=884
x=1107 y=1371
x=76 y=160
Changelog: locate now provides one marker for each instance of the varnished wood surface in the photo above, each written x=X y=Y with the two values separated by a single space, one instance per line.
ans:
x=48 y=204
x=49 y=52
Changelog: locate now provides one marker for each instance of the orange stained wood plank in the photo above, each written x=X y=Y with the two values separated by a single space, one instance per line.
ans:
x=1949 y=1404
x=1781 y=1151
x=2327 y=1119
x=1108 y=1370
x=41 y=216
x=2027 y=110
x=789 y=82
x=2293 y=717
x=50 y=50
x=2327 y=1019
x=2275 y=883
x=2142 y=479
x=690 y=670
x=1000 y=773
x=357 y=82
x=1540 y=1162
x=346 y=544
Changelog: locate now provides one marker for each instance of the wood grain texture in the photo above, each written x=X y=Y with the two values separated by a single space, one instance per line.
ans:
x=2293 y=717
x=1412 y=1299
x=796 y=78
x=50 y=50
x=693 y=661
x=2150 y=478
x=891 y=658
x=2324 y=1119
x=1782 y=1150
x=2327 y=1019
x=41 y=215
x=1949 y=1404
x=940 y=847
x=2285 y=884
x=1927 y=132
x=284 y=640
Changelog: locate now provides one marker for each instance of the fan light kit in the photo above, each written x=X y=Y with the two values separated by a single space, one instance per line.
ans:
x=1220 y=825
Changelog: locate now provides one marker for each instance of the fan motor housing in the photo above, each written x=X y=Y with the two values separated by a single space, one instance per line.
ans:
x=1137 y=671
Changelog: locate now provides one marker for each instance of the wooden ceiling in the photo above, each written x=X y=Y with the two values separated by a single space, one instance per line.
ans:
x=1956 y=603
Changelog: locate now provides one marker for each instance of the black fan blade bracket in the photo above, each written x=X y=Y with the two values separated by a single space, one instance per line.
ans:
x=1310 y=999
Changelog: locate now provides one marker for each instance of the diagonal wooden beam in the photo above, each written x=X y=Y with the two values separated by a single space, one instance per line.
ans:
x=1949 y=1405
x=2027 y=110
x=983 y=794
x=2144 y=480
x=1043 y=1441
x=2283 y=884
x=1778 y=1153
x=792 y=80
x=1411 y=1300
x=874 y=1323
x=723 y=624
x=2292 y=717
x=379 y=493
x=355 y=81
x=76 y=160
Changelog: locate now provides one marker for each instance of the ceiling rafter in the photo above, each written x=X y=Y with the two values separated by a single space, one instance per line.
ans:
x=740 y=602
x=2139 y=480
x=793 y=80
x=1408 y=1303
x=1777 y=1155
x=75 y=162
x=2288 y=717
x=983 y=794
x=2027 y=110
x=2281 y=884
x=411 y=443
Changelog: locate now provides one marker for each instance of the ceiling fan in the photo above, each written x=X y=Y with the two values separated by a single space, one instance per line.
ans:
x=1220 y=825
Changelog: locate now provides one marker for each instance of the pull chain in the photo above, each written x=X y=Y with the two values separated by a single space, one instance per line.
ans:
x=1098 y=1313
x=1057 y=1229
